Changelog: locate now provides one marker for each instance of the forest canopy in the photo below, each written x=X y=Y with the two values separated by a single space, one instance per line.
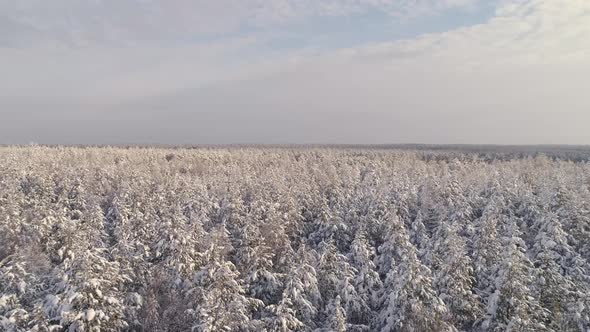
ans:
x=292 y=239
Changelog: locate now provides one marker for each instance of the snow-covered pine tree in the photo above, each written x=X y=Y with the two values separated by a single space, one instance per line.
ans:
x=454 y=276
x=387 y=251
x=335 y=316
x=254 y=259
x=334 y=271
x=281 y=317
x=562 y=278
x=409 y=300
x=24 y=278
x=222 y=304
x=86 y=292
x=512 y=306
x=366 y=281
x=85 y=295
x=486 y=250
x=273 y=229
x=301 y=288
x=419 y=235
x=336 y=279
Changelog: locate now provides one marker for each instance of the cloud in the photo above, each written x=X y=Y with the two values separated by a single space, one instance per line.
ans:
x=519 y=77
x=132 y=22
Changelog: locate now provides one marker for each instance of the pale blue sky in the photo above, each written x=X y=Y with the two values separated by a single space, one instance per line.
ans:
x=372 y=26
x=294 y=71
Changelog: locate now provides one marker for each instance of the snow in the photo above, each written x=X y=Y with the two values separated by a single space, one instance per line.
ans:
x=291 y=239
x=90 y=314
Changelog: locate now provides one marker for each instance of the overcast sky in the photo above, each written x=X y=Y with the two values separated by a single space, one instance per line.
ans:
x=295 y=71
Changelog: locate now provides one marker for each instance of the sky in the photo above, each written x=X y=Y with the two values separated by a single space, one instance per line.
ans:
x=294 y=71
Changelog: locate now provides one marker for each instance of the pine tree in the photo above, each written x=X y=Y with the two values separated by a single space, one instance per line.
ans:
x=454 y=276
x=254 y=259
x=558 y=270
x=336 y=317
x=366 y=281
x=86 y=295
x=301 y=288
x=512 y=305
x=222 y=304
x=419 y=235
x=281 y=317
x=486 y=250
x=409 y=301
x=388 y=249
x=24 y=278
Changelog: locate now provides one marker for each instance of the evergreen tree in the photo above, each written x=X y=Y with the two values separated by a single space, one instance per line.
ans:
x=512 y=305
x=559 y=266
x=281 y=317
x=222 y=304
x=454 y=276
x=487 y=249
x=255 y=262
x=409 y=301
x=366 y=281
x=302 y=290
x=336 y=317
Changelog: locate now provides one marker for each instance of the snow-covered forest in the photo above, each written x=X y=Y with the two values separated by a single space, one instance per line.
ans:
x=291 y=239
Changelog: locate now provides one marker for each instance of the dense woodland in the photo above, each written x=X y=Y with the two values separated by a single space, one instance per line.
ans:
x=291 y=239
